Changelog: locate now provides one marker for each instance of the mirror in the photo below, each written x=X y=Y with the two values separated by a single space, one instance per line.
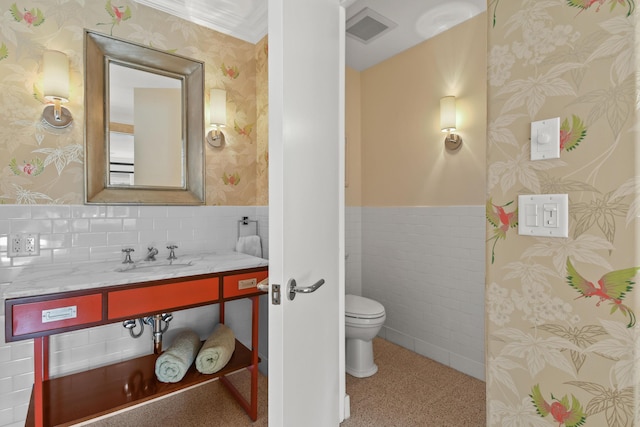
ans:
x=144 y=124
x=143 y=107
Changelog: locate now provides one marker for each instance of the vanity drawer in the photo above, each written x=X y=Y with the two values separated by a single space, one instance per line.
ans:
x=242 y=284
x=60 y=313
x=161 y=298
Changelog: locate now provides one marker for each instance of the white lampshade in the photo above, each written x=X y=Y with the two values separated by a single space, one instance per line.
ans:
x=448 y=113
x=56 y=76
x=218 y=107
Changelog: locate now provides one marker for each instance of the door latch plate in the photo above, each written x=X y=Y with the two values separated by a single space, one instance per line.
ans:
x=275 y=294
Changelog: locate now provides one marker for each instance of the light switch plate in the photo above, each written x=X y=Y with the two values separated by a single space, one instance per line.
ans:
x=545 y=139
x=543 y=215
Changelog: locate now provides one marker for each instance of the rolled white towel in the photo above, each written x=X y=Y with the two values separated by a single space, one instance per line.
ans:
x=174 y=362
x=216 y=350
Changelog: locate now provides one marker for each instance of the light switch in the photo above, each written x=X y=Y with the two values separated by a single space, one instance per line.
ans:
x=543 y=215
x=531 y=218
x=545 y=139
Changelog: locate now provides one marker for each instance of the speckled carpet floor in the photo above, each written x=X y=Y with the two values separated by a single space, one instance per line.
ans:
x=408 y=390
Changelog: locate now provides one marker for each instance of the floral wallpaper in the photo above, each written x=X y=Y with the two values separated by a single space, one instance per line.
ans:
x=262 y=124
x=39 y=165
x=562 y=336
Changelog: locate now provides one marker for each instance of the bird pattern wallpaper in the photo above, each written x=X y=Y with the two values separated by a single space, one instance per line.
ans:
x=41 y=165
x=562 y=337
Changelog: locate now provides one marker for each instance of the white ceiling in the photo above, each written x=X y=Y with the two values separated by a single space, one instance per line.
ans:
x=417 y=21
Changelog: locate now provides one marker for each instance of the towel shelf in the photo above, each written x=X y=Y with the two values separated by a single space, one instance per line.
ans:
x=130 y=383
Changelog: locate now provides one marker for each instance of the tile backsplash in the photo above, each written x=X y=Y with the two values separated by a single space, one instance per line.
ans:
x=72 y=234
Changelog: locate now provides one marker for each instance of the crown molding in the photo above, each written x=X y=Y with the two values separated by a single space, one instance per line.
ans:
x=243 y=19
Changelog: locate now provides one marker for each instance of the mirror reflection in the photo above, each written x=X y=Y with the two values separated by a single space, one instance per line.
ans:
x=145 y=130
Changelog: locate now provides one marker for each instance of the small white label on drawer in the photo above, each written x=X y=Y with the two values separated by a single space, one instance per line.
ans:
x=61 y=313
x=248 y=283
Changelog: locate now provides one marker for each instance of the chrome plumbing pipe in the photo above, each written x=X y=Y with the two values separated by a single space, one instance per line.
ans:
x=130 y=324
x=156 y=321
x=157 y=334
x=158 y=329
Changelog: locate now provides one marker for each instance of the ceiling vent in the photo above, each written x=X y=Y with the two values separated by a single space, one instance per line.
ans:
x=367 y=25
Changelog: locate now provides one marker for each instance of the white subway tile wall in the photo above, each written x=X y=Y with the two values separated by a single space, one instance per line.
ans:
x=75 y=234
x=426 y=266
x=353 y=250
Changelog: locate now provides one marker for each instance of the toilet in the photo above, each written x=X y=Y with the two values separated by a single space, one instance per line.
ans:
x=363 y=319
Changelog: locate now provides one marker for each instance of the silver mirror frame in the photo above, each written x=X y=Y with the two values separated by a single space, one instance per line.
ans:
x=98 y=50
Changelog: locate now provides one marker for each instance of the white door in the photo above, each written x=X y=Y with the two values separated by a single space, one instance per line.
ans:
x=306 y=211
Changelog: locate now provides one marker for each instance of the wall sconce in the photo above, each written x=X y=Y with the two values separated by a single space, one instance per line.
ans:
x=452 y=141
x=218 y=116
x=56 y=89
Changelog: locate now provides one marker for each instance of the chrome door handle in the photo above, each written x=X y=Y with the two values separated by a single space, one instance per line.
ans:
x=293 y=289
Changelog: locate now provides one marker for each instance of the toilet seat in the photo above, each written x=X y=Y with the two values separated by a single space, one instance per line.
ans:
x=358 y=307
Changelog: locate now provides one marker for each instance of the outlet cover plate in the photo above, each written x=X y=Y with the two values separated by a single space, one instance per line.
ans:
x=23 y=244
x=545 y=215
x=545 y=139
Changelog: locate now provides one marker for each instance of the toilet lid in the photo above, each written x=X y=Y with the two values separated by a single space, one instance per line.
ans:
x=361 y=307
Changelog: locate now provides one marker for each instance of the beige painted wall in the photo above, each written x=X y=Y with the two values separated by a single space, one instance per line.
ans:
x=404 y=162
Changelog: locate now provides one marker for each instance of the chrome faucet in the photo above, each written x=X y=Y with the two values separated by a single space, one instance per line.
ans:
x=151 y=254
x=172 y=253
x=127 y=256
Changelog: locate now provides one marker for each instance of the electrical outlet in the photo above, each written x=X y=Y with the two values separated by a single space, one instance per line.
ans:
x=15 y=242
x=32 y=244
x=15 y=245
x=24 y=244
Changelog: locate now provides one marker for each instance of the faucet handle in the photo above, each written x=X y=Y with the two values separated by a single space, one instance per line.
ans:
x=172 y=253
x=127 y=256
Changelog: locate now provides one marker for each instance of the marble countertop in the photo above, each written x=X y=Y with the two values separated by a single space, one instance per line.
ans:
x=92 y=275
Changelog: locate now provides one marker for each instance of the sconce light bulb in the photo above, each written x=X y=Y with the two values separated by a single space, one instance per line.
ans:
x=218 y=117
x=448 y=113
x=55 y=69
x=56 y=89
x=218 y=107
x=452 y=142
